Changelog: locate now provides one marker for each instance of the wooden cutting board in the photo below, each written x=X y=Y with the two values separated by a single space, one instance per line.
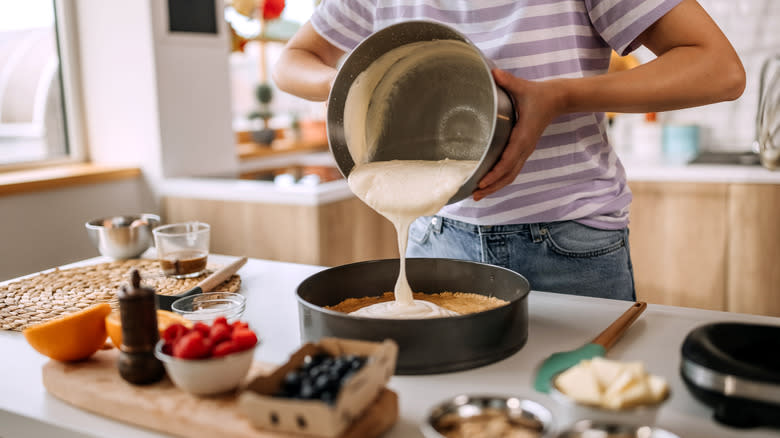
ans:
x=95 y=385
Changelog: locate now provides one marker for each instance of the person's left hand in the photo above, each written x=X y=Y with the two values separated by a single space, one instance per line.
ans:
x=536 y=105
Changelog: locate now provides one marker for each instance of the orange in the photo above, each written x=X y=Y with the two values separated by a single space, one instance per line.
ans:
x=75 y=336
x=165 y=318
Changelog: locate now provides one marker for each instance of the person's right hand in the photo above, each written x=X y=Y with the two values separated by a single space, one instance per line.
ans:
x=536 y=105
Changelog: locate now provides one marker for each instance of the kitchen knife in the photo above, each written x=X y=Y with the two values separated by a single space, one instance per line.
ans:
x=207 y=284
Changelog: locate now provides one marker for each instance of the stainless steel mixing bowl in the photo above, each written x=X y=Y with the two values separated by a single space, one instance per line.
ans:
x=451 y=108
x=425 y=346
x=122 y=237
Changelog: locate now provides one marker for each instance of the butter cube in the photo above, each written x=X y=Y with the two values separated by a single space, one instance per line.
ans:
x=626 y=378
x=635 y=393
x=606 y=371
x=658 y=388
x=580 y=383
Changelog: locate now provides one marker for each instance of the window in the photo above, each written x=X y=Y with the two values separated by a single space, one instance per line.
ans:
x=34 y=124
x=256 y=46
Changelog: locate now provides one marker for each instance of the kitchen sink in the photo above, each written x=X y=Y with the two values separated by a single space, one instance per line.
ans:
x=739 y=158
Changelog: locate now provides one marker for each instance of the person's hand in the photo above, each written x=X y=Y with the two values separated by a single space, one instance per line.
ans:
x=536 y=105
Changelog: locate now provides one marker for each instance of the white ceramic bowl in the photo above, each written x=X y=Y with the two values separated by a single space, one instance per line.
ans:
x=207 y=376
x=571 y=412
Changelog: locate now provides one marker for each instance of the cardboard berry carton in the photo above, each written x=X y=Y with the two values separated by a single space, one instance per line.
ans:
x=268 y=407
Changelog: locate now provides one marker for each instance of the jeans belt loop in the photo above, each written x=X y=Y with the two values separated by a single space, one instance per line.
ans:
x=536 y=232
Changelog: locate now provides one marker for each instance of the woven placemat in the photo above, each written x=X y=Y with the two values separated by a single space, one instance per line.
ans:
x=51 y=294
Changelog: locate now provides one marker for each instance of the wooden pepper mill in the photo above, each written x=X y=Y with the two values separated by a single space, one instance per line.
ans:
x=138 y=312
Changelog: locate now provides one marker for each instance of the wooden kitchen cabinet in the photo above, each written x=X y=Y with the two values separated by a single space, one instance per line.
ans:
x=679 y=243
x=754 y=249
x=329 y=234
x=707 y=245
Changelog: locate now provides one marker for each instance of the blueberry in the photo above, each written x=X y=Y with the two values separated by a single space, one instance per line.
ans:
x=356 y=363
x=322 y=382
x=292 y=381
x=306 y=391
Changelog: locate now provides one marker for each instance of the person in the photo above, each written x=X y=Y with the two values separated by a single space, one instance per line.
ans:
x=555 y=206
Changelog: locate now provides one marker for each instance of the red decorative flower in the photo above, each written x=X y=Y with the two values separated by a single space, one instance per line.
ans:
x=272 y=9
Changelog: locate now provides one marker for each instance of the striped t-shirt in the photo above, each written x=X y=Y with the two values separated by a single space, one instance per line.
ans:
x=574 y=174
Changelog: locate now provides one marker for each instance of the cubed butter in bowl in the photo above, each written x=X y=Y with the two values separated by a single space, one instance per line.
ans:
x=606 y=390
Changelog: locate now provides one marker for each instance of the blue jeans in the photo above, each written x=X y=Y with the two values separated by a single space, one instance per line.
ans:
x=565 y=257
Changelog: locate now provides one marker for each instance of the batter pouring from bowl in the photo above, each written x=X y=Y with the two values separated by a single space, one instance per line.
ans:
x=400 y=190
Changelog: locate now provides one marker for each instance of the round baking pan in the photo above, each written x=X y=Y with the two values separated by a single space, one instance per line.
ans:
x=426 y=346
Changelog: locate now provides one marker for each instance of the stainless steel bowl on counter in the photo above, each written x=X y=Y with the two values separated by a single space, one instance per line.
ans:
x=478 y=416
x=426 y=346
x=448 y=106
x=589 y=429
x=123 y=237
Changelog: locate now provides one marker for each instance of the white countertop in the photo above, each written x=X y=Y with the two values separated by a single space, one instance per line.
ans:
x=700 y=173
x=557 y=323
x=297 y=194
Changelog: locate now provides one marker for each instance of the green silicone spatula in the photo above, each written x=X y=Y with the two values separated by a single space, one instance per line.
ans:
x=561 y=361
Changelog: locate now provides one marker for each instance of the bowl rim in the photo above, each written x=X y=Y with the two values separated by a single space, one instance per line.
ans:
x=600 y=425
x=344 y=79
x=537 y=407
x=162 y=230
x=170 y=359
x=231 y=297
x=96 y=224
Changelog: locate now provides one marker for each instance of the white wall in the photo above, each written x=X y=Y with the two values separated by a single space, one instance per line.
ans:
x=752 y=27
x=46 y=229
x=152 y=99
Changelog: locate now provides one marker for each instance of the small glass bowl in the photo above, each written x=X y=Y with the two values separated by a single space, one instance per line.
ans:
x=573 y=411
x=206 y=307
x=527 y=414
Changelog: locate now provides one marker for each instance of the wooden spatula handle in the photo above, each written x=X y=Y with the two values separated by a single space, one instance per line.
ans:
x=215 y=279
x=608 y=337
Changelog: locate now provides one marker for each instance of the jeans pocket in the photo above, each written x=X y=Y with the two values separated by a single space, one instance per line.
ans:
x=420 y=230
x=572 y=239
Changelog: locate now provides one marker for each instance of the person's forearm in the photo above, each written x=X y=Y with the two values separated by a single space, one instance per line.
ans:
x=682 y=77
x=304 y=74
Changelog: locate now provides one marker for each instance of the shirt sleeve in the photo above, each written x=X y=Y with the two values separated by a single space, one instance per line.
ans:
x=620 y=22
x=344 y=23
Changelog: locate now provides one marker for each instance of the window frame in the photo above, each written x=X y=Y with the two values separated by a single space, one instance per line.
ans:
x=66 y=34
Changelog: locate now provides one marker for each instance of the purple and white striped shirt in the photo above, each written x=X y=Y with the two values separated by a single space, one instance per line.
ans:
x=574 y=174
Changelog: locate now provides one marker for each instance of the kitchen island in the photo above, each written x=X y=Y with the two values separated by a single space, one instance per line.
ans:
x=557 y=322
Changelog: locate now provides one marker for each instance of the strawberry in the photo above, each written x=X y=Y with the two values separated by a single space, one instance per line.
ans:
x=191 y=346
x=224 y=348
x=202 y=328
x=220 y=332
x=244 y=338
x=272 y=9
x=174 y=332
x=241 y=324
x=220 y=320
